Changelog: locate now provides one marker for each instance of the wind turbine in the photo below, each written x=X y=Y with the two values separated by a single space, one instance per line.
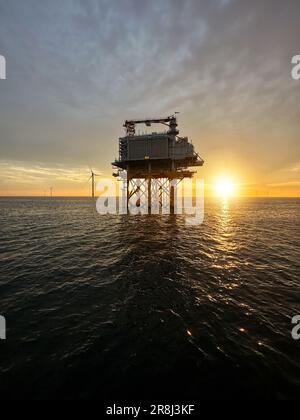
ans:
x=92 y=177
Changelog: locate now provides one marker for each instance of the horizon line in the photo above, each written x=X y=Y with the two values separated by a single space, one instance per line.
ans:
x=87 y=196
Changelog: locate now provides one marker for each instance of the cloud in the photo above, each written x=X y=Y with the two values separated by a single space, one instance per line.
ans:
x=286 y=184
x=39 y=173
x=77 y=69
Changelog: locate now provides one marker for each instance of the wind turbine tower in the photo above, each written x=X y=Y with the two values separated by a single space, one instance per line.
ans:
x=92 y=177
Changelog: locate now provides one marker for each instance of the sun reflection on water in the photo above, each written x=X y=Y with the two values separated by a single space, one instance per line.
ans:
x=225 y=257
x=225 y=229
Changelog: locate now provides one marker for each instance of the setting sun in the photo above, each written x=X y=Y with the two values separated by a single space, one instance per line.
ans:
x=225 y=187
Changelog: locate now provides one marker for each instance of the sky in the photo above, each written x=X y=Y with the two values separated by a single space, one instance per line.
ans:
x=77 y=69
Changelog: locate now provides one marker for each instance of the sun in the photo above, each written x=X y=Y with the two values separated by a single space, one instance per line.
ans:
x=225 y=187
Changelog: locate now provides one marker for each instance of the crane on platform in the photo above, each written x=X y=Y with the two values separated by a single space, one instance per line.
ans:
x=169 y=121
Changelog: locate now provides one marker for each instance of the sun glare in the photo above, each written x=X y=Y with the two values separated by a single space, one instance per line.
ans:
x=225 y=187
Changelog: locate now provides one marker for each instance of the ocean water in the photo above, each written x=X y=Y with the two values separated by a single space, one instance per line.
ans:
x=124 y=308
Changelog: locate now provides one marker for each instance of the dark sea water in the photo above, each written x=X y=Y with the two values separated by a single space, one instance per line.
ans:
x=124 y=308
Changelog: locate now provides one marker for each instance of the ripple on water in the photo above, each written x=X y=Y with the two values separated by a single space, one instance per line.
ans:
x=127 y=298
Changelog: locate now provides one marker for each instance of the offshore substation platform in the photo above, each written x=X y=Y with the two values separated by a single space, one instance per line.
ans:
x=155 y=162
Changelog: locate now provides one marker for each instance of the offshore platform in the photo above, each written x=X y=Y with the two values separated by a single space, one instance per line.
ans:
x=155 y=163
